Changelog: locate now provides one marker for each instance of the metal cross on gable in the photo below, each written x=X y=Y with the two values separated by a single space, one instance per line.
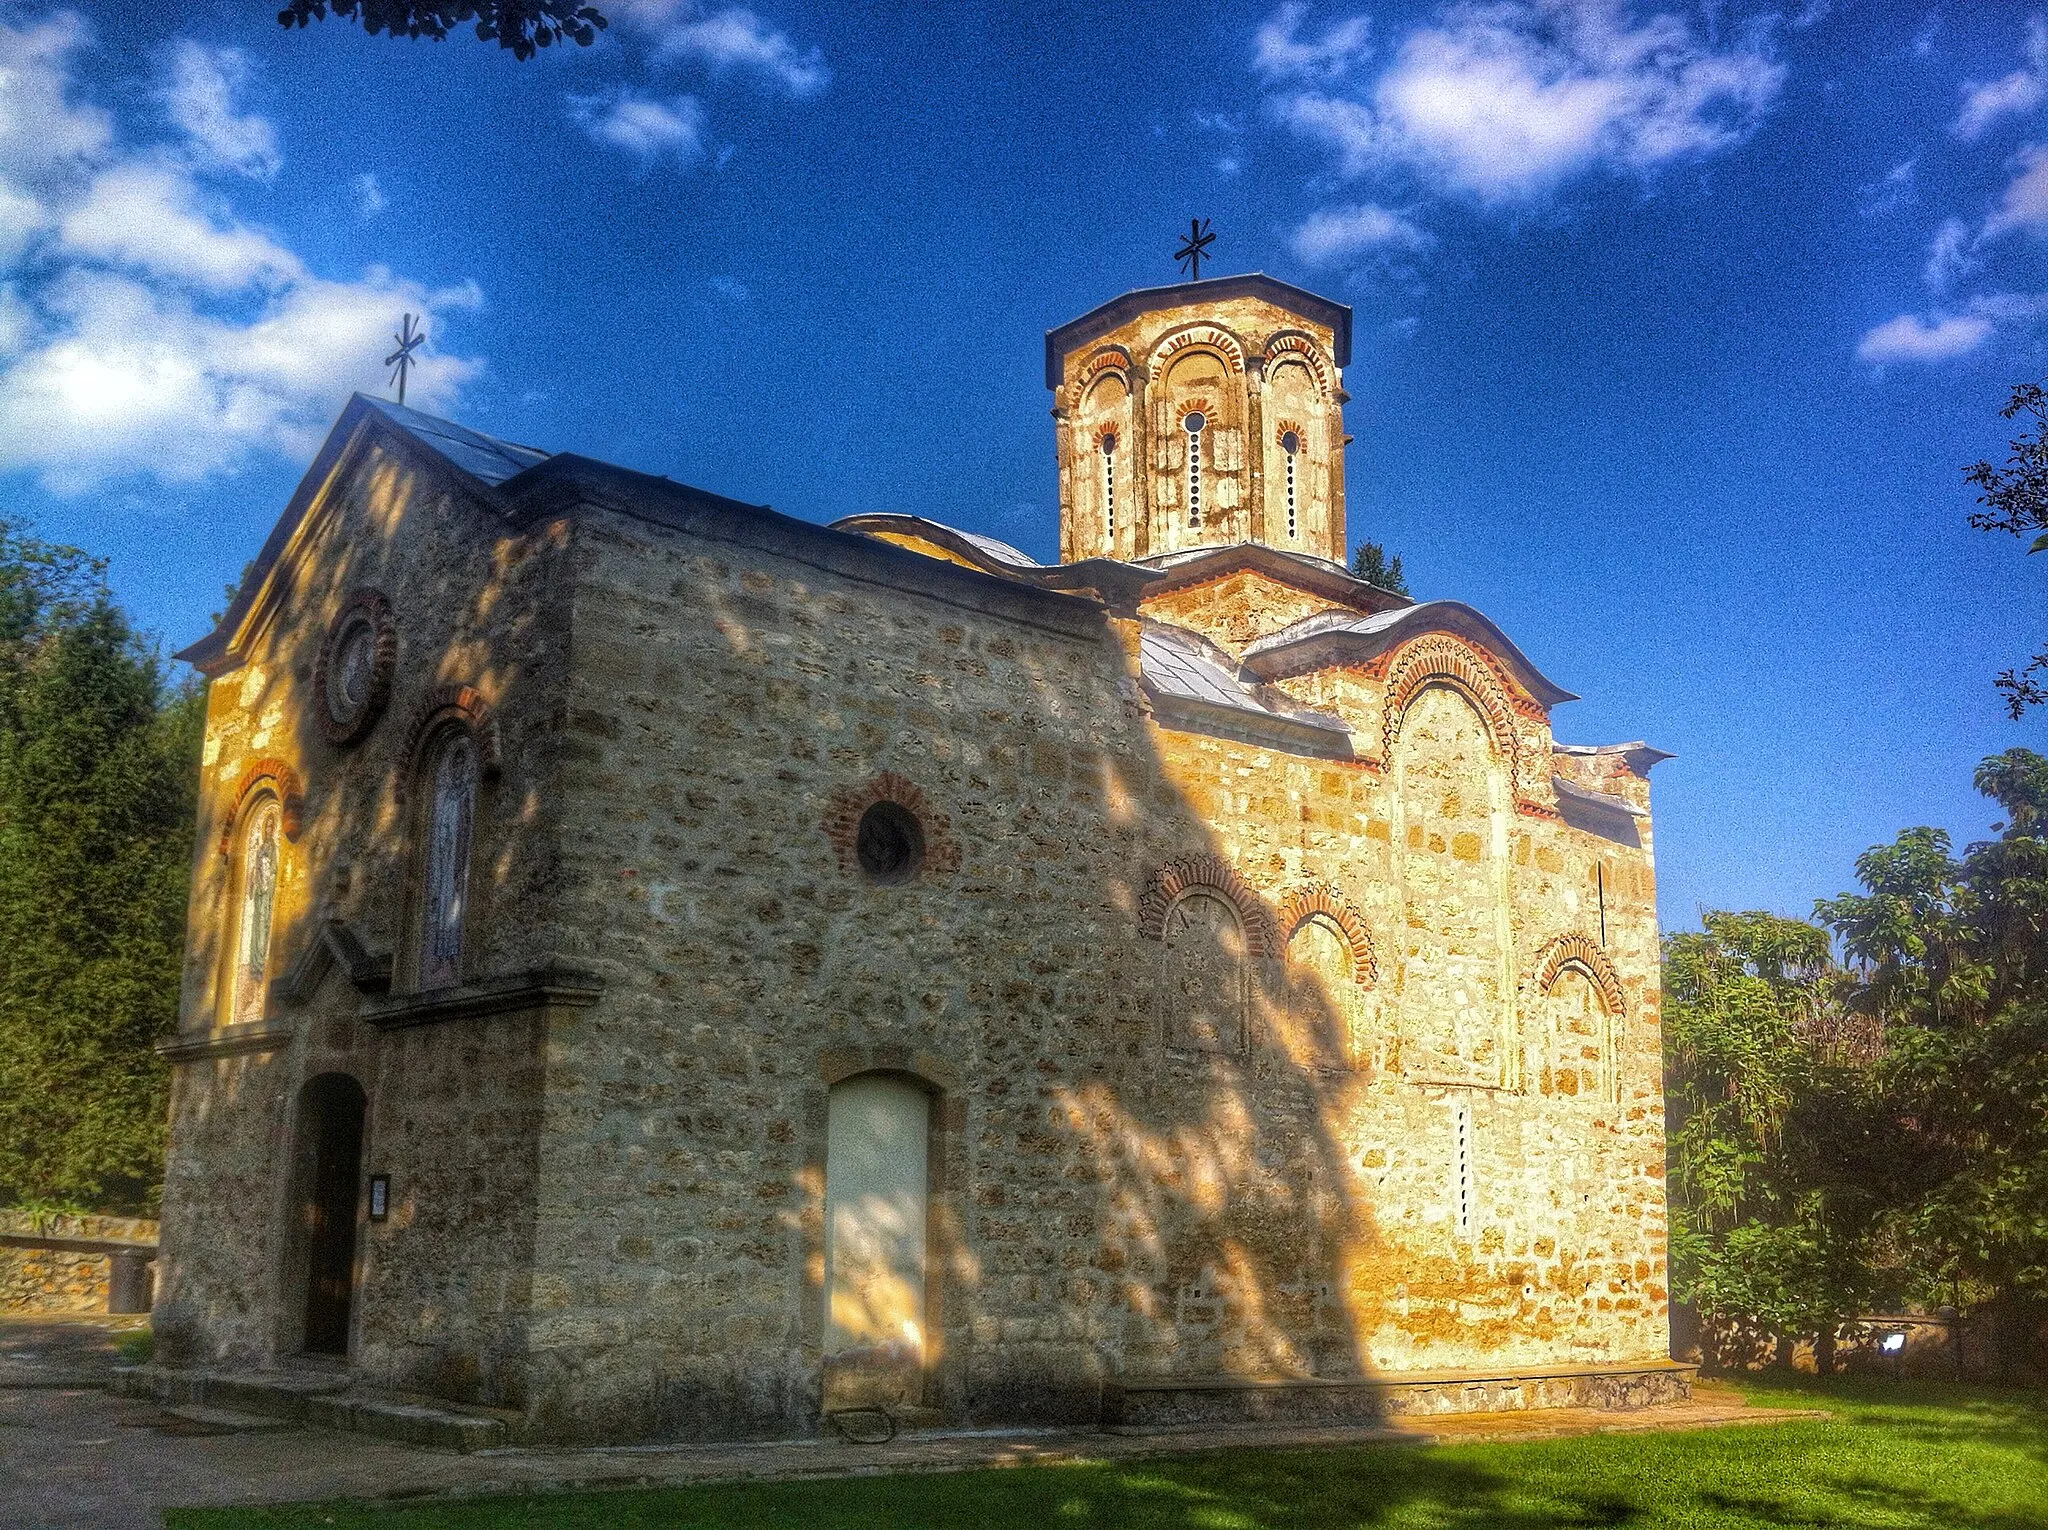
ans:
x=410 y=338
x=1194 y=249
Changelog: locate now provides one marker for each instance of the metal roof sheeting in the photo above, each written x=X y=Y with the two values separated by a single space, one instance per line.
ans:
x=482 y=457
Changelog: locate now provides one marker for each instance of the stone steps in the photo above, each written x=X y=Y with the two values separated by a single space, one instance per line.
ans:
x=322 y=1399
x=205 y=1420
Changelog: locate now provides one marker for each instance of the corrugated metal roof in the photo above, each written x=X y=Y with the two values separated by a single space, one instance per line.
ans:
x=482 y=457
x=1179 y=664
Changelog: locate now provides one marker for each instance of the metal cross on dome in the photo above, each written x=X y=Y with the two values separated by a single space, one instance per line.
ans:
x=1194 y=249
x=410 y=338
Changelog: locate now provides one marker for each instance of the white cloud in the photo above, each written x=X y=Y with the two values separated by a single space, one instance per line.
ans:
x=1911 y=338
x=642 y=126
x=2015 y=95
x=370 y=198
x=1503 y=101
x=148 y=217
x=1890 y=191
x=1279 y=51
x=2025 y=204
x=200 y=97
x=1340 y=234
x=730 y=38
x=1949 y=258
x=144 y=328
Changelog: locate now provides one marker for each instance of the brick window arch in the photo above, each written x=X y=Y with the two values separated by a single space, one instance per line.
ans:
x=1217 y=876
x=1313 y=899
x=849 y=806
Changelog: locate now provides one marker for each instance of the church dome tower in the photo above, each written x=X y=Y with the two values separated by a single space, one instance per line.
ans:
x=1199 y=415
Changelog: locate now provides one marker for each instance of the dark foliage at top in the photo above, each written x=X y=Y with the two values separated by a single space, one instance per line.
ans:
x=1371 y=563
x=2015 y=500
x=521 y=25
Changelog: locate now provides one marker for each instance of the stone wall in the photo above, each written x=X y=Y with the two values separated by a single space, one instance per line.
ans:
x=47 y=1280
x=1116 y=1200
x=452 y=1106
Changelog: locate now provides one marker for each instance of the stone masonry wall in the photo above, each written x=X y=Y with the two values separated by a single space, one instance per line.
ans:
x=453 y=1106
x=1106 y=1204
x=46 y=1280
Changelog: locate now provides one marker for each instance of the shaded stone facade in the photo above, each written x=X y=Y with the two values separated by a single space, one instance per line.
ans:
x=1280 y=1000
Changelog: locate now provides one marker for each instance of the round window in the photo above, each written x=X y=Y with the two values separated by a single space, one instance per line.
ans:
x=1194 y=423
x=348 y=680
x=1290 y=443
x=354 y=677
x=889 y=843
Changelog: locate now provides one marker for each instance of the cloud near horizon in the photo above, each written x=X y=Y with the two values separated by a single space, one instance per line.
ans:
x=144 y=328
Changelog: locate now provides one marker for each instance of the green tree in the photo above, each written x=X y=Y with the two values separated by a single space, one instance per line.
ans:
x=2015 y=500
x=1370 y=562
x=1777 y=1187
x=1952 y=957
x=521 y=25
x=98 y=755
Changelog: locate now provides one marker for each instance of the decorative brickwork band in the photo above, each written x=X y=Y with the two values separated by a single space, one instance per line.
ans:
x=451 y=706
x=1294 y=345
x=1440 y=659
x=1212 y=337
x=1214 y=874
x=1583 y=954
x=344 y=723
x=277 y=777
x=1313 y=898
x=844 y=808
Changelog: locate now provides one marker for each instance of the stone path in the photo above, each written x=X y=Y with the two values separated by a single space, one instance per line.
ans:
x=71 y=1456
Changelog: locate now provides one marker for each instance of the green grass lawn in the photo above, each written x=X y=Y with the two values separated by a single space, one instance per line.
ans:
x=1908 y=1456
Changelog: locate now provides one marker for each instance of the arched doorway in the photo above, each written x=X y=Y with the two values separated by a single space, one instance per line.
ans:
x=877 y=1185
x=331 y=1111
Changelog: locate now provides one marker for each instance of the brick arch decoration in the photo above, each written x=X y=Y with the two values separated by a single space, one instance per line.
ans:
x=458 y=705
x=1312 y=898
x=1111 y=358
x=1210 y=873
x=1293 y=345
x=279 y=778
x=843 y=811
x=1583 y=954
x=1440 y=659
x=1204 y=335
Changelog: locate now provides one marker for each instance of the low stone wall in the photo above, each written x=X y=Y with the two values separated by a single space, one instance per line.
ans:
x=56 y=1280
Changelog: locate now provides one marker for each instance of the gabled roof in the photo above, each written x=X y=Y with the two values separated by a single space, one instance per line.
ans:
x=1320 y=576
x=1185 y=672
x=1340 y=637
x=1119 y=311
x=523 y=484
x=483 y=460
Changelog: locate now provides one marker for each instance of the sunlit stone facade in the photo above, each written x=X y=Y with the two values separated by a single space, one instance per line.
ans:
x=888 y=971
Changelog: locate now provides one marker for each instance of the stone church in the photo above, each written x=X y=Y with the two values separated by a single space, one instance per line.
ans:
x=665 y=969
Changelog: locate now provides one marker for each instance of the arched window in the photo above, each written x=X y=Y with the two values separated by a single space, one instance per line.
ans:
x=1109 y=488
x=1203 y=992
x=1290 y=443
x=1193 y=424
x=255 y=902
x=451 y=818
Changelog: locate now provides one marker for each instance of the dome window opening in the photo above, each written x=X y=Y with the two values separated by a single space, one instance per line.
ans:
x=1193 y=425
x=889 y=844
x=1290 y=443
x=1109 y=487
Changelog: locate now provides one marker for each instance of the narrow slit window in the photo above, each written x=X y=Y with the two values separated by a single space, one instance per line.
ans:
x=1461 y=1121
x=1109 y=488
x=1290 y=443
x=1193 y=426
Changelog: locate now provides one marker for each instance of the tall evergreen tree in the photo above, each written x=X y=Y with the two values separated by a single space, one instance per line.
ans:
x=1371 y=563
x=98 y=756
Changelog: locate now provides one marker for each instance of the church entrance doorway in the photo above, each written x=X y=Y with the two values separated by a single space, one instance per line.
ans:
x=331 y=1130
x=877 y=1177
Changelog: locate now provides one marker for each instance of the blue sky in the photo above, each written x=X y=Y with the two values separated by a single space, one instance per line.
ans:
x=1675 y=325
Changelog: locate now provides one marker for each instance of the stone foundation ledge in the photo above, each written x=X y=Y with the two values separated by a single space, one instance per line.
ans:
x=1172 y=1402
x=324 y=1400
